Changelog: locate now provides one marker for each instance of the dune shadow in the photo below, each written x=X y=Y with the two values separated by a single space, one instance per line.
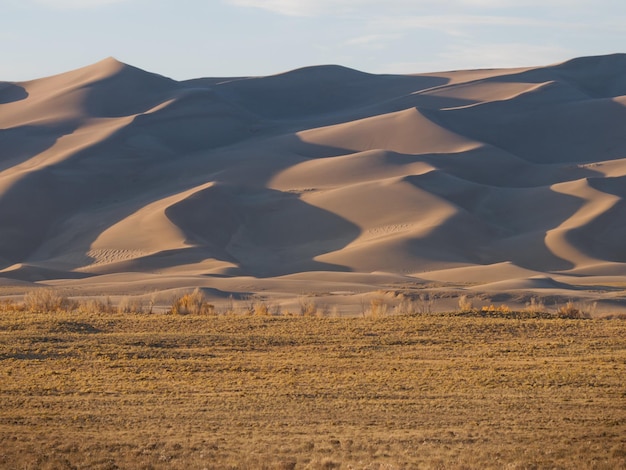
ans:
x=596 y=77
x=493 y=225
x=10 y=93
x=604 y=235
x=263 y=231
x=25 y=208
x=547 y=126
x=316 y=91
x=19 y=144
x=127 y=91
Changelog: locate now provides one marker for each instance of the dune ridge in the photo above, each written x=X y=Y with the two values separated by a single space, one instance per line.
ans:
x=483 y=178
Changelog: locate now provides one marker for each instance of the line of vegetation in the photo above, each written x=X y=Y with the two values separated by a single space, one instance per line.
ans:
x=48 y=300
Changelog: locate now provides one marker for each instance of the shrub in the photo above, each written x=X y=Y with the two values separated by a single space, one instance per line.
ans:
x=404 y=307
x=378 y=308
x=130 y=305
x=465 y=304
x=535 y=306
x=261 y=309
x=152 y=301
x=425 y=303
x=46 y=300
x=590 y=309
x=499 y=309
x=229 y=309
x=570 y=310
x=11 y=306
x=308 y=307
x=192 y=304
x=96 y=306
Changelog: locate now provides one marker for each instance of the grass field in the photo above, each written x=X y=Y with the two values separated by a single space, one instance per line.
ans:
x=157 y=391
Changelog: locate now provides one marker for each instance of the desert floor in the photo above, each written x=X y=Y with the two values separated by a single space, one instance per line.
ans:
x=158 y=391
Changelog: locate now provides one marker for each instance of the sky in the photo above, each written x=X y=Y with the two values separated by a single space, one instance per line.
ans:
x=184 y=39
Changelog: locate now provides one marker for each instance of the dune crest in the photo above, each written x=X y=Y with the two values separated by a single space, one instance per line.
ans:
x=489 y=178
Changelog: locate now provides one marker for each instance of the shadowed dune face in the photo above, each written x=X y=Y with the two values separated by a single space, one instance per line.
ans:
x=19 y=144
x=10 y=92
x=111 y=169
x=558 y=132
x=264 y=232
x=593 y=77
x=313 y=91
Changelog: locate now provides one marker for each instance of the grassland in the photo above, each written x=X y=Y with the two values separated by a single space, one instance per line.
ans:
x=108 y=391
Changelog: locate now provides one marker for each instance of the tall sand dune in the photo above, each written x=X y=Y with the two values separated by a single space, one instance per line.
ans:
x=290 y=183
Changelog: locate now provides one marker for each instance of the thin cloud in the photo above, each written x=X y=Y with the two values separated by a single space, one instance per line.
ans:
x=328 y=7
x=457 y=24
x=402 y=7
x=285 y=7
x=372 y=40
x=504 y=55
x=76 y=4
x=474 y=55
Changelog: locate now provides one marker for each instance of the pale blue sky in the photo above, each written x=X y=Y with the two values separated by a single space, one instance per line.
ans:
x=185 y=39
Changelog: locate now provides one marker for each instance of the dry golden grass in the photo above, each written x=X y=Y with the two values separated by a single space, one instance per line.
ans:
x=109 y=391
x=193 y=303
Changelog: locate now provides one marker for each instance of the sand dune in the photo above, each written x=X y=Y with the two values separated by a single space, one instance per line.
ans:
x=394 y=131
x=114 y=179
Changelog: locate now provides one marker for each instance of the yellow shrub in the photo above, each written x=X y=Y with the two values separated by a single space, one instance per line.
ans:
x=493 y=309
x=192 y=304
x=569 y=310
